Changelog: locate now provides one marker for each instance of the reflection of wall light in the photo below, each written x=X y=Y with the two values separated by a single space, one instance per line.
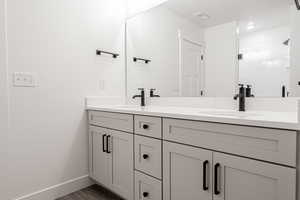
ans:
x=250 y=26
x=135 y=7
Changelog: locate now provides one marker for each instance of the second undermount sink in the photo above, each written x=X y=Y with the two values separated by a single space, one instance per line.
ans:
x=228 y=113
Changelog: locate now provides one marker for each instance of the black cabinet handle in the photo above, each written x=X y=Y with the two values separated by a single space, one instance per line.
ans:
x=145 y=126
x=107 y=144
x=217 y=166
x=103 y=143
x=145 y=194
x=205 y=165
x=145 y=156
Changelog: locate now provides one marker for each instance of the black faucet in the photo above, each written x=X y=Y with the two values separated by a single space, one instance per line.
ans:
x=142 y=96
x=152 y=93
x=242 y=98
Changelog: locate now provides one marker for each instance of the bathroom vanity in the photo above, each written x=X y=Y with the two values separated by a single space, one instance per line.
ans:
x=173 y=154
x=193 y=51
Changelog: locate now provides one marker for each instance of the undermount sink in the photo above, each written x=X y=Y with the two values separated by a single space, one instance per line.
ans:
x=228 y=113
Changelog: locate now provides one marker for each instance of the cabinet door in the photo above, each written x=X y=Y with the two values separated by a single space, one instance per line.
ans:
x=98 y=155
x=187 y=173
x=238 y=178
x=121 y=174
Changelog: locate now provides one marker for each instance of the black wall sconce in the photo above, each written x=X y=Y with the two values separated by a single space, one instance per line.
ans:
x=100 y=52
x=135 y=59
x=297 y=4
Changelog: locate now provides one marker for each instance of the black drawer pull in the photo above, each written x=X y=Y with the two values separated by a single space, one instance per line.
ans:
x=145 y=194
x=145 y=156
x=216 y=186
x=205 y=165
x=145 y=126
x=103 y=143
x=107 y=144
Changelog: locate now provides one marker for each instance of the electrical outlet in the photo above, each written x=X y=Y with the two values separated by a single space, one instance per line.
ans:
x=24 y=79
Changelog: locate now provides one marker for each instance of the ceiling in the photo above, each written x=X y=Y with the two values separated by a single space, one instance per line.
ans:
x=261 y=12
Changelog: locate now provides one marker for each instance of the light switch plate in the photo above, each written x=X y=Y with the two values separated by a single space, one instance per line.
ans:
x=24 y=79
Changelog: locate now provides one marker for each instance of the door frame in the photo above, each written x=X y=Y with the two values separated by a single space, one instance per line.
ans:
x=181 y=39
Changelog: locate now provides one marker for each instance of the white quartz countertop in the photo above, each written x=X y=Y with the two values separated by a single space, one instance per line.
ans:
x=280 y=120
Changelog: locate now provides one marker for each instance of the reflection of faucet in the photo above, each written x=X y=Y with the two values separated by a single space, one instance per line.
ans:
x=242 y=98
x=142 y=96
x=152 y=93
x=248 y=91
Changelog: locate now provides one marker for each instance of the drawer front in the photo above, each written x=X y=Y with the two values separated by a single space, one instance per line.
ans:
x=148 y=155
x=278 y=146
x=147 y=187
x=148 y=126
x=122 y=122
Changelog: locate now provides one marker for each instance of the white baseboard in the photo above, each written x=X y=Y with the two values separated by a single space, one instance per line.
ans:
x=59 y=190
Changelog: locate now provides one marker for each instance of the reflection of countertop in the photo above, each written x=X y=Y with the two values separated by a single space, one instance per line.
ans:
x=281 y=120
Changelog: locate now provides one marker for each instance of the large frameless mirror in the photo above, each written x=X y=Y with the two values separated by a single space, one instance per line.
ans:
x=200 y=48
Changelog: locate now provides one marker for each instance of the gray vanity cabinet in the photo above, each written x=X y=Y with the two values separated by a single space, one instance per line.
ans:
x=193 y=173
x=154 y=158
x=111 y=154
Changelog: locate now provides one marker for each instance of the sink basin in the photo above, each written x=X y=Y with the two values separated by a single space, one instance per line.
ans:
x=228 y=113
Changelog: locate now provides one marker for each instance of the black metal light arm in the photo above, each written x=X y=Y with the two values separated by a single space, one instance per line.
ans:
x=135 y=59
x=99 y=52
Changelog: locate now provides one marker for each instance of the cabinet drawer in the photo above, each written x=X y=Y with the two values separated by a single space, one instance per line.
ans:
x=147 y=187
x=148 y=126
x=122 y=122
x=148 y=155
x=274 y=145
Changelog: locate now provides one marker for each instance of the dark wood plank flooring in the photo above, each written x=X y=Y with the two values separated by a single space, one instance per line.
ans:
x=93 y=192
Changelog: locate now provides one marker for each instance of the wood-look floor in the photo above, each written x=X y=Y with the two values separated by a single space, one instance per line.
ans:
x=93 y=192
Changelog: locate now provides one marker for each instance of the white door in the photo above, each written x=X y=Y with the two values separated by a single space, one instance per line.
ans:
x=120 y=148
x=192 y=69
x=238 y=178
x=187 y=173
x=99 y=156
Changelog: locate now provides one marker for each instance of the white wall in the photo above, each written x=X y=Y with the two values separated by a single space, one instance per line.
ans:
x=295 y=49
x=3 y=106
x=154 y=35
x=57 y=40
x=3 y=72
x=221 y=67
